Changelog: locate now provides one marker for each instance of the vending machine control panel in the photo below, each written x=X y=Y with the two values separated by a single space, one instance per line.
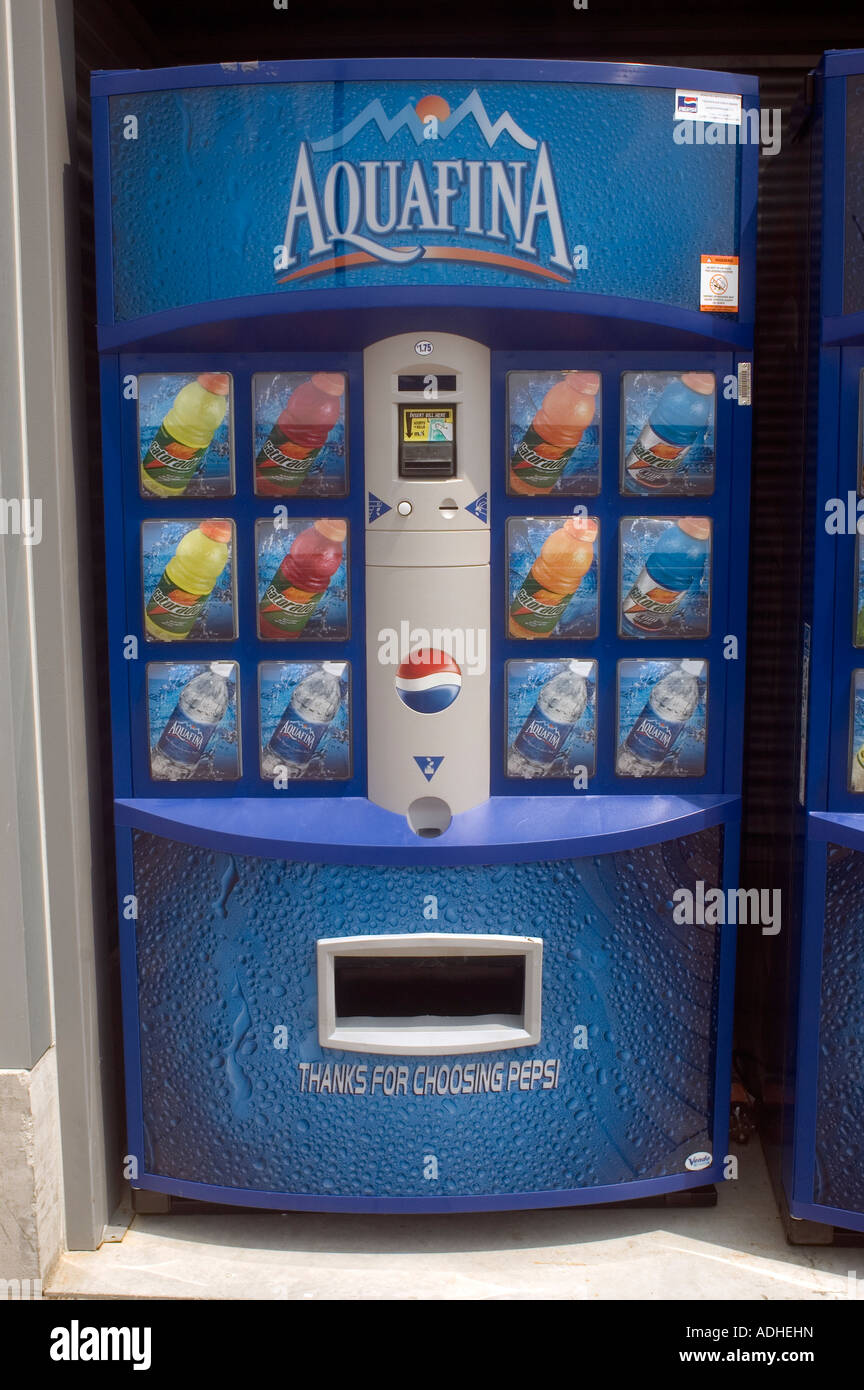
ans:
x=427 y=576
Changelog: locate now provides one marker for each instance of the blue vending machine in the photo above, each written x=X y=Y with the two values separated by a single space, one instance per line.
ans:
x=823 y=1149
x=426 y=451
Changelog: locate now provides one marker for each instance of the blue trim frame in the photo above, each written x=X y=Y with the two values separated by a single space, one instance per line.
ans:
x=126 y=510
x=113 y=83
x=372 y=312
x=418 y=1206
x=831 y=814
x=503 y=830
x=727 y=506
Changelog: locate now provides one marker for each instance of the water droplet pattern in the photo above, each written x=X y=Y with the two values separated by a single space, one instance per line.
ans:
x=226 y=954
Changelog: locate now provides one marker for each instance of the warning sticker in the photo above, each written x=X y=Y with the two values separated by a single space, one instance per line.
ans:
x=720 y=108
x=427 y=426
x=718 y=284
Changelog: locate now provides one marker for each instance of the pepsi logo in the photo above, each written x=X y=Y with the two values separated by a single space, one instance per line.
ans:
x=428 y=681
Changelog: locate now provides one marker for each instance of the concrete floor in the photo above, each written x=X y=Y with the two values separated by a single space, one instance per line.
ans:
x=735 y=1251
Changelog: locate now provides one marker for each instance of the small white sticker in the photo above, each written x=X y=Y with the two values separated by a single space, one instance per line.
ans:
x=697 y=1161
x=423 y=348
x=720 y=108
x=718 y=284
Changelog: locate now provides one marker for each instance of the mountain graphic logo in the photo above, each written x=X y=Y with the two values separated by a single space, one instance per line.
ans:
x=429 y=766
x=479 y=508
x=414 y=119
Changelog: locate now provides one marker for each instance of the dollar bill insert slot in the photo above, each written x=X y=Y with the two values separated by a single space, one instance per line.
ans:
x=427 y=442
x=429 y=992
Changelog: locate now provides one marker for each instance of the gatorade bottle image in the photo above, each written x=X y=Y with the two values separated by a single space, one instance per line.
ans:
x=181 y=595
x=301 y=580
x=554 y=577
x=677 y=422
x=560 y=704
x=566 y=412
x=299 y=435
x=857 y=778
x=673 y=567
x=181 y=441
x=197 y=715
x=661 y=721
x=311 y=710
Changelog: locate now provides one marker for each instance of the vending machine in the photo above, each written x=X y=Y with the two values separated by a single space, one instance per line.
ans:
x=823 y=1149
x=426 y=434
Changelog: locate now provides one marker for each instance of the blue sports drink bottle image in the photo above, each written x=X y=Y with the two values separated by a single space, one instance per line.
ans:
x=677 y=422
x=661 y=721
x=674 y=565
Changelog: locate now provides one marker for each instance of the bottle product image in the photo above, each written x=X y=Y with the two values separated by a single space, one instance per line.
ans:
x=299 y=435
x=660 y=723
x=177 y=449
x=674 y=565
x=677 y=422
x=199 y=711
x=309 y=714
x=301 y=581
x=546 y=591
x=565 y=413
x=559 y=706
x=180 y=596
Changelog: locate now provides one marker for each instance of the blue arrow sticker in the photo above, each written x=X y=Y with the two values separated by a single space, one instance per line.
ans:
x=429 y=766
x=479 y=508
x=377 y=507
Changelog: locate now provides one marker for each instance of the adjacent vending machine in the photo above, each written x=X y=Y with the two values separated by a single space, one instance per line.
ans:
x=426 y=447
x=823 y=1157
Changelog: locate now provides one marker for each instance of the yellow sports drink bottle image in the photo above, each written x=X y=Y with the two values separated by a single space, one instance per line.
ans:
x=181 y=441
x=187 y=581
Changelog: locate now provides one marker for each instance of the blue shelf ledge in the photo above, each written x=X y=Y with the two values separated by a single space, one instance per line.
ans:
x=837 y=827
x=505 y=829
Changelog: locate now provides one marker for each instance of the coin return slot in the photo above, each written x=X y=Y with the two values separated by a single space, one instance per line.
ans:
x=433 y=993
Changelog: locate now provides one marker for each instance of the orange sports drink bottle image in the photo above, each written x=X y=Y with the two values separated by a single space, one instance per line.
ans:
x=301 y=580
x=545 y=592
x=181 y=441
x=565 y=413
x=187 y=581
x=299 y=435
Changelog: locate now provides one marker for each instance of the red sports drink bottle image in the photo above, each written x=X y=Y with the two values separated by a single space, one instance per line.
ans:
x=565 y=413
x=301 y=580
x=299 y=435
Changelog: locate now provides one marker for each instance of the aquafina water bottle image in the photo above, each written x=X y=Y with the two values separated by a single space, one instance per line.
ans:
x=310 y=737
x=667 y=736
x=557 y=733
x=187 y=747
